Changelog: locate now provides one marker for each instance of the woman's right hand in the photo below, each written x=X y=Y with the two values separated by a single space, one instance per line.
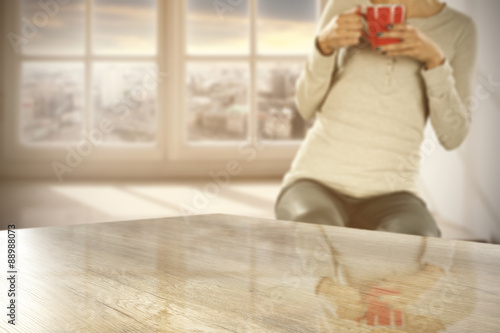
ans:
x=343 y=30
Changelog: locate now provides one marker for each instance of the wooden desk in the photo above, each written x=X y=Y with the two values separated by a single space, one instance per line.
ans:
x=237 y=274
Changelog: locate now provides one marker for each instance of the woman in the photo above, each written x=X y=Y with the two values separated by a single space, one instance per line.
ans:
x=358 y=166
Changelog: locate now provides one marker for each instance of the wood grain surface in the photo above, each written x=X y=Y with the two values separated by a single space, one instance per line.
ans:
x=218 y=273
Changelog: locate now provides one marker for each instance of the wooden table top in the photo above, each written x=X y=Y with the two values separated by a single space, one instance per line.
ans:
x=218 y=273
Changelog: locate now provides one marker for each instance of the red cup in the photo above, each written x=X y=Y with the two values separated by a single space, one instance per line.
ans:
x=378 y=17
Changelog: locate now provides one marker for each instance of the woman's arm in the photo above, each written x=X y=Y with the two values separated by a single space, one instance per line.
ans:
x=448 y=81
x=449 y=91
x=315 y=80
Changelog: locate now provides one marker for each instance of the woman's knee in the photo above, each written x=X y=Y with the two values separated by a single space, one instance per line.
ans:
x=412 y=225
x=404 y=213
x=310 y=214
x=309 y=202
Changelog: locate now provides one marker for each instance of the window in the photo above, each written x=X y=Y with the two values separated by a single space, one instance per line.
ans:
x=172 y=77
x=243 y=58
x=81 y=65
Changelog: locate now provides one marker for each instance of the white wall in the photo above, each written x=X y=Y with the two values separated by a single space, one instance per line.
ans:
x=464 y=186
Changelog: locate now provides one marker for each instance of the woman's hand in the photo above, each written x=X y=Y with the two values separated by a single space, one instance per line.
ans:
x=343 y=30
x=413 y=44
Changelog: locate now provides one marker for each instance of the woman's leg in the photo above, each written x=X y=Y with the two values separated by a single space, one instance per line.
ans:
x=309 y=201
x=400 y=212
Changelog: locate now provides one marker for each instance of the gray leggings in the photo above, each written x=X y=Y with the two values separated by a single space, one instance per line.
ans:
x=400 y=212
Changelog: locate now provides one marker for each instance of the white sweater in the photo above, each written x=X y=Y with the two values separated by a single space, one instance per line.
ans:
x=371 y=110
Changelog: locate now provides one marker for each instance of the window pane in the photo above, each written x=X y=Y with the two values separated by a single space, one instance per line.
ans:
x=51 y=102
x=278 y=117
x=217 y=27
x=286 y=26
x=124 y=94
x=124 y=27
x=50 y=28
x=217 y=101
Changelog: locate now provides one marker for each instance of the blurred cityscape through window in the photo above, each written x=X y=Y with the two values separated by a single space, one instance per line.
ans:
x=120 y=96
x=217 y=101
x=52 y=102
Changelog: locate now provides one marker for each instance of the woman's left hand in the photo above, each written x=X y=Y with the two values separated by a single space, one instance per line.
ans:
x=413 y=44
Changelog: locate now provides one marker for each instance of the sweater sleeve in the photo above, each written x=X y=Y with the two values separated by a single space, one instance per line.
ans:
x=315 y=80
x=449 y=90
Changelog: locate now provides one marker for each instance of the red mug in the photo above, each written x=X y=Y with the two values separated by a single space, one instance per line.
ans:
x=378 y=17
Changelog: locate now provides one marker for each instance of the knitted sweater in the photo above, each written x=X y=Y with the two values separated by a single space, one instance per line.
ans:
x=371 y=110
